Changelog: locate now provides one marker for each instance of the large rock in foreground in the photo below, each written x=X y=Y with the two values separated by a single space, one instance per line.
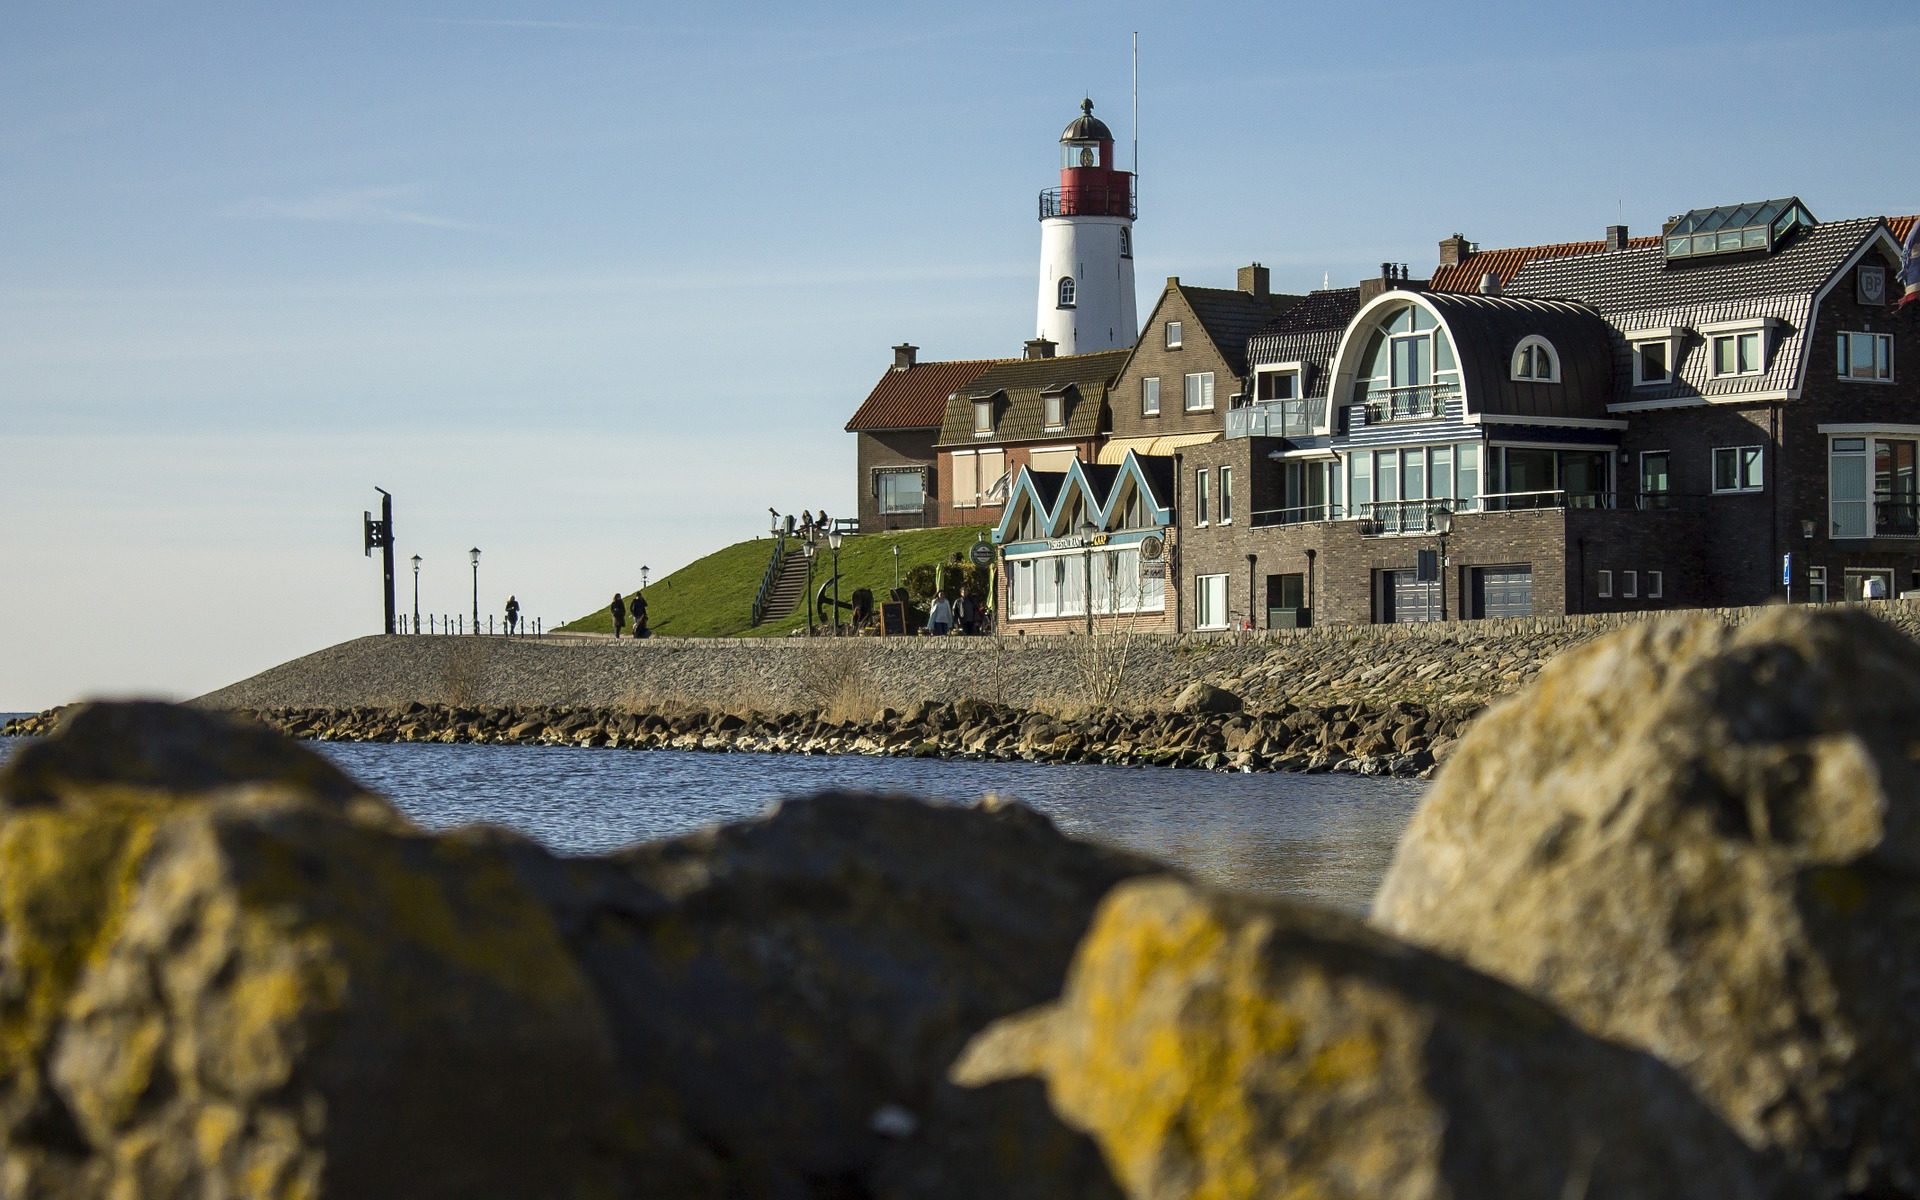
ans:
x=1706 y=841
x=1220 y=1046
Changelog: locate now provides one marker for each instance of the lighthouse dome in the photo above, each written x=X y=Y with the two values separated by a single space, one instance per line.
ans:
x=1086 y=127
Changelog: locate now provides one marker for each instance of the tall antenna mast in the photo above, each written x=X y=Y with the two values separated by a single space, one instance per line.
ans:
x=1136 y=114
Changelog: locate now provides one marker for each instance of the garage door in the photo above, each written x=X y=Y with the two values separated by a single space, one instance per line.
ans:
x=1503 y=591
x=1406 y=599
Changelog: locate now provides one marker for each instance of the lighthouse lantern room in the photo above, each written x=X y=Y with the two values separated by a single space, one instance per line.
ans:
x=1086 y=244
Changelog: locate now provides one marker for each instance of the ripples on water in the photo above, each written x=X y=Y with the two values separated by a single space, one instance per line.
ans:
x=1322 y=837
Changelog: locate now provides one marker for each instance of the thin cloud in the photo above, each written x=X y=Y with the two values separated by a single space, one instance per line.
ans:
x=382 y=205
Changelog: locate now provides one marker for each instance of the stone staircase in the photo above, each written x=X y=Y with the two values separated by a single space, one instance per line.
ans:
x=789 y=591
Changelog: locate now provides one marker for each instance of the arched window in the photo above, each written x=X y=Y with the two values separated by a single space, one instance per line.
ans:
x=1067 y=291
x=1534 y=360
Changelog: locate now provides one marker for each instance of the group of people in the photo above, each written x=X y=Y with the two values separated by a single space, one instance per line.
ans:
x=953 y=614
x=806 y=525
x=621 y=609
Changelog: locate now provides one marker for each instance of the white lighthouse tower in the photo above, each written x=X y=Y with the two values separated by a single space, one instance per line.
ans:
x=1086 y=245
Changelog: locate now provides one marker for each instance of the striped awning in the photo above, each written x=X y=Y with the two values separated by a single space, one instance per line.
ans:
x=1114 y=452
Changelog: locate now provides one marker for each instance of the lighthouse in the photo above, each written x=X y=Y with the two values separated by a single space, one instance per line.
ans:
x=1086 y=245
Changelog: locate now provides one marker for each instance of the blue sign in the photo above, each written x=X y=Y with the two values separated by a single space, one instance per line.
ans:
x=1786 y=569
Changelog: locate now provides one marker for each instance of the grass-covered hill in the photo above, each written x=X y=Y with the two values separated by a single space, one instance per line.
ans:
x=713 y=596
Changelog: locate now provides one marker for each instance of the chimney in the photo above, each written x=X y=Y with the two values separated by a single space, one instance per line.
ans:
x=1254 y=281
x=904 y=356
x=1040 y=347
x=1392 y=276
x=1454 y=250
x=1616 y=238
x=1490 y=284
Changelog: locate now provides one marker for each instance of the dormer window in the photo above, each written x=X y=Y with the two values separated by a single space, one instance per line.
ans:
x=983 y=418
x=1737 y=348
x=1055 y=405
x=1534 y=360
x=1067 y=291
x=1173 y=335
x=1273 y=384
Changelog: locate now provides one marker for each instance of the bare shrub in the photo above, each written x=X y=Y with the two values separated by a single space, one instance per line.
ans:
x=834 y=681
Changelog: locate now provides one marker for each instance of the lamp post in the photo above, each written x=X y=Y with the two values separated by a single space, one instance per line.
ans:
x=833 y=543
x=896 y=565
x=416 y=593
x=643 y=577
x=806 y=593
x=473 y=556
x=1087 y=530
x=1443 y=525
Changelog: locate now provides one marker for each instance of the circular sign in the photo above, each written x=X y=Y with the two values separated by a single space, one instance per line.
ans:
x=1151 y=547
x=982 y=553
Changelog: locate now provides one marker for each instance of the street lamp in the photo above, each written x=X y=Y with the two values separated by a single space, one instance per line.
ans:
x=473 y=556
x=643 y=577
x=416 y=593
x=1443 y=525
x=896 y=566
x=1087 y=530
x=806 y=593
x=833 y=543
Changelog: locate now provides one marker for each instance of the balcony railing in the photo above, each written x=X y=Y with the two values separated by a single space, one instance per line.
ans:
x=1300 y=515
x=1089 y=201
x=1387 y=518
x=1273 y=418
x=1409 y=403
x=1896 y=518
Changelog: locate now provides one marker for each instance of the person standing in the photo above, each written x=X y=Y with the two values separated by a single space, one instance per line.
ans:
x=639 y=610
x=513 y=613
x=966 y=614
x=619 y=610
x=940 y=619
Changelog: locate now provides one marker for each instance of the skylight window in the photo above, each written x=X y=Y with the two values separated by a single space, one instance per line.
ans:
x=1735 y=228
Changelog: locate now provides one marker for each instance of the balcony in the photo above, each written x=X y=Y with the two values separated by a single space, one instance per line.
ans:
x=1421 y=403
x=1399 y=518
x=1274 y=418
x=1089 y=201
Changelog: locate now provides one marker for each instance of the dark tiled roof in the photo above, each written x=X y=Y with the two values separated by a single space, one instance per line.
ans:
x=1230 y=317
x=1307 y=333
x=1159 y=472
x=1505 y=264
x=1638 y=290
x=915 y=398
x=1488 y=329
x=1020 y=415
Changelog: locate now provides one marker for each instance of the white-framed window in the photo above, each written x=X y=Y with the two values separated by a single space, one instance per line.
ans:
x=1055 y=585
x=1126 y=242
x=1873 y=486
x=1199 y=392
x=1629 y=585
x=1606 y=585
x=1055 y=406
x=900 y=490
x=1150 y=396
x=1173 y=335
x=1736 y=354
x=983 y=418
x=1867 y=356
x=1816 y=585
x=1202 y=494
x=1652 y=362
x=1068 y=292
x=1226 y=495
x=1276 y=383
x=1210 y=602
x=1868 y=583
x=1535 y=361
x=1738 y=468
x=975 y=474
x=1656 y=585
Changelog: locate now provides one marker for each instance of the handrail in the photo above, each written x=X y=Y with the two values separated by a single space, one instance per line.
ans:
x=768 y=578
x=1416 y=403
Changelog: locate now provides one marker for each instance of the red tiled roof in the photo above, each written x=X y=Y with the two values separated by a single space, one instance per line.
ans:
x=1901 y=226
x=916 y=398
x=1507 y=263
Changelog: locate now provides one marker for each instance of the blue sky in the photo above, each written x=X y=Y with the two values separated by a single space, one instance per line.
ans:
x=593 y=285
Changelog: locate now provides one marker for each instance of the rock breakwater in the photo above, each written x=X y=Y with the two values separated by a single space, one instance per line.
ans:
x=1209 y=730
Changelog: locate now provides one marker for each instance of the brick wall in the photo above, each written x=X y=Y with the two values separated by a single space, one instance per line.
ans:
x=894 y=448
x=1152 y=357
x=1017 y=457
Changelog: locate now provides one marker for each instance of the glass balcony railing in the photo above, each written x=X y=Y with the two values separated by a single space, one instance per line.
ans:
x=1274 y=418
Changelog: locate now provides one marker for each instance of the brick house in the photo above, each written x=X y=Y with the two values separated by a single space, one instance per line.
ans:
x=1190 y=365
x=1630 y=423
x=1041 y=411
x=894 y=431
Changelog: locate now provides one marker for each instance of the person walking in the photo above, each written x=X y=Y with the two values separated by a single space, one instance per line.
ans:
x=940 y=619
x=966 y=613
x=619 y=610
x=513 y=614
x=639 y=610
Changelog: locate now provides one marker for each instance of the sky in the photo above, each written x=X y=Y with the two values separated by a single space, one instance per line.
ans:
x=590 y=286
